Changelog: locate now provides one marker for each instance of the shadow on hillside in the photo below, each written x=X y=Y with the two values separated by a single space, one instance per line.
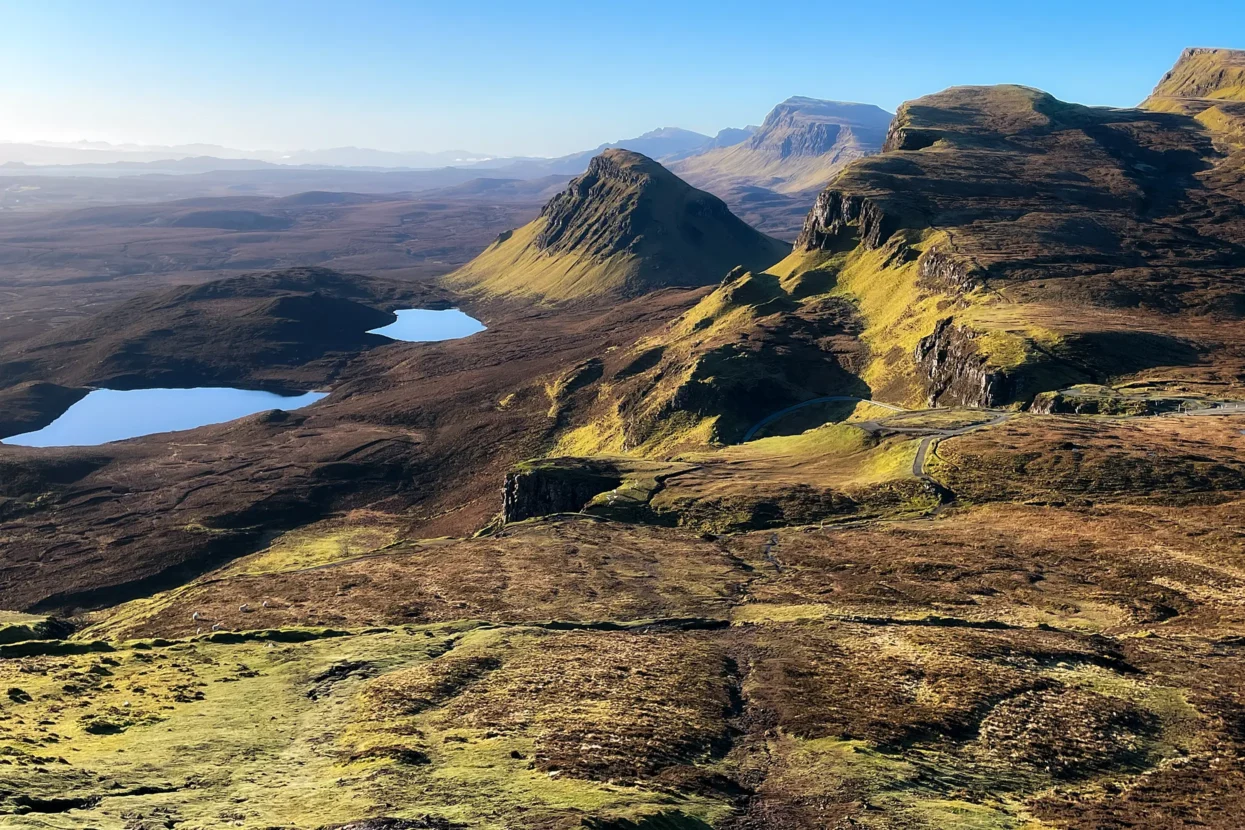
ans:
x=1115 y=353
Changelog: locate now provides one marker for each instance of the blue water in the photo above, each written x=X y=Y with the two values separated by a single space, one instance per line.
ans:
x=425 y=325
x=110 y=415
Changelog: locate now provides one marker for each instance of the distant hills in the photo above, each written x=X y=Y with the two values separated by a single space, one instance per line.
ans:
x=800 y=145
x=87 y=158
x=661 y=144
x=102 y=152
x=768 y=175
x=625 y=226
x=803 y=123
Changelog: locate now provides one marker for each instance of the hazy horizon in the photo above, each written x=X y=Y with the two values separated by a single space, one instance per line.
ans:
x=546 y=80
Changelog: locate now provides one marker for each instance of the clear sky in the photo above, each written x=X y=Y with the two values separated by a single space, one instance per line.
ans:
x=546 y=78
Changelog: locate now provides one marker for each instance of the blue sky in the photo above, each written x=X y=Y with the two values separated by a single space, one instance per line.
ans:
x=546 y=78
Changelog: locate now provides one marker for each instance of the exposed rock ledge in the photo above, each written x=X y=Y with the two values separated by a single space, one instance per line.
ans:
x=941 y=268
x=554 y=487
x=838 y=218
x=955 y=372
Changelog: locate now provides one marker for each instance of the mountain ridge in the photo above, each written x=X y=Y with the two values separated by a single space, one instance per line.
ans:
x=1208 y=85
x=1066 y=247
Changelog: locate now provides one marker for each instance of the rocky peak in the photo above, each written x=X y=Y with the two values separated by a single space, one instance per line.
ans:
x=602 y=211
x=811 y=127
x=1217 y=74
x=625 y=226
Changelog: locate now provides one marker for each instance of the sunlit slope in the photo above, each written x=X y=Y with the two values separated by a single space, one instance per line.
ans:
x=1006 y=243
x=624 y=227
x=1208 y=84
x=1216 y=74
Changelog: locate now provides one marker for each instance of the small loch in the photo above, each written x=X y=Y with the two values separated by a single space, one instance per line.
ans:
x=106 y=415
x=426 y=325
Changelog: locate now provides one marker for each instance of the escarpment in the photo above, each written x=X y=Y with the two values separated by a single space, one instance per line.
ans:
x=1020 y=229
x=838 y=220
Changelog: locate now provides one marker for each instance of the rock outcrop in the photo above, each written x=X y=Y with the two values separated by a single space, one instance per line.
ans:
x=841 y=221
x=552 y=487
x=955 y=371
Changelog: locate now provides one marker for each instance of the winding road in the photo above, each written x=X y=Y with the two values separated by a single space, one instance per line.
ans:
x=918 y=462
x=933 y=435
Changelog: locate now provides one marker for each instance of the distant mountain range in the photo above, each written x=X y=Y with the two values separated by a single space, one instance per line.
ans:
x=99 y=158
x=802 y=143
x=101 y=152
x=768 y=174
x=666 y=144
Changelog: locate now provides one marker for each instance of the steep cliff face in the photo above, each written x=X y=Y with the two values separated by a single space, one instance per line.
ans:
x=940 y=268
x=1040 y=227
x=803 y=126
x=956 y=373
x=551 y=488
x=839 y=221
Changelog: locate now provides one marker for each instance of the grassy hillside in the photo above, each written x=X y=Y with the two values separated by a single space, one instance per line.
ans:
x=1217 y=74
x=1208 y=84
x=1006 y=242
x=745 y=350
x=625 y=227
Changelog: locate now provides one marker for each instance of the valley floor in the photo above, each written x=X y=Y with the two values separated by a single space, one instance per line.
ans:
x=1058 y=647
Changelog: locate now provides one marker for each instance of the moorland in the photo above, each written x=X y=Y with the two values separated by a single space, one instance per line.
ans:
x=925 y=515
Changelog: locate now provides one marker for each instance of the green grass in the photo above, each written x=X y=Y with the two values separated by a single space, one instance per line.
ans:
x=609 y=241
x=514 y=266
x=897 y=789
x=896 y=310
x=218 y=735
x=839 y=455
x=228 y=730
x=1217 y=74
